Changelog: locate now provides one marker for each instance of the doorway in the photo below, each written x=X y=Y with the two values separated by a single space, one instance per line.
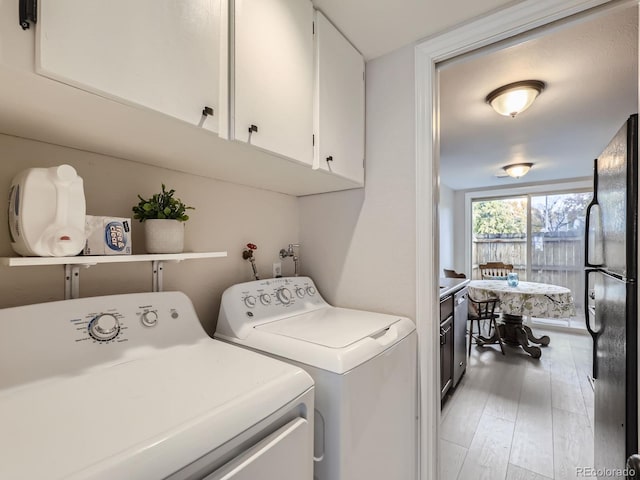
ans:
x=498 y=27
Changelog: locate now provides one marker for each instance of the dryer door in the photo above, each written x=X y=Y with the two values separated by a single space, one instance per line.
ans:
x=283 y=455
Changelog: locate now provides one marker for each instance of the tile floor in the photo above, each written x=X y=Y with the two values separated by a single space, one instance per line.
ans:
x=516 y=418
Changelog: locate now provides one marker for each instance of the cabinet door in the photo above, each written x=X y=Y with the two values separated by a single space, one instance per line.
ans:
x=446 y=356
x=161 y=54
x=340 y=96
x=273 y=76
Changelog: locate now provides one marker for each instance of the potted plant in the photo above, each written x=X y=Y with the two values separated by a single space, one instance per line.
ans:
x=163 y=217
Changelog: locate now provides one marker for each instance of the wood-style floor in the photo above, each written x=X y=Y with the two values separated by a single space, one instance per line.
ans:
x=516 y=418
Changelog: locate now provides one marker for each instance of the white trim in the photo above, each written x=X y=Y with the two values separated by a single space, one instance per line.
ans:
x=526 y=189
x=495 y=27
x=426 y=260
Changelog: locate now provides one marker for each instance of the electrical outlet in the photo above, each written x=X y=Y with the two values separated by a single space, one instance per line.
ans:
x=277 y=270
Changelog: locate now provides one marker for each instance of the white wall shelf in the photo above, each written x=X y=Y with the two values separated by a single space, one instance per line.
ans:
x=72 y=265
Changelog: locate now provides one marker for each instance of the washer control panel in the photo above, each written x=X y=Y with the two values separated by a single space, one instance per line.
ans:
x=278 y=292
x=265 y=300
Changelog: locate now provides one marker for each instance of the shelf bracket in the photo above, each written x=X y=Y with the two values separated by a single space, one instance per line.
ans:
x=71 y=281
x=156 y=275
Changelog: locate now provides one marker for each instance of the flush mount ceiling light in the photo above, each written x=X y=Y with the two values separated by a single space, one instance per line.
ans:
x=517 y=170
x=510 y=100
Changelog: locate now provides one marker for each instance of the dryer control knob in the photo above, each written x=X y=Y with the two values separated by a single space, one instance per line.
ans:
x=300 y=292
x=284 y=295
x=311 y=291
x=149 y=318
x=265 y=298
x=104 y=327
x=250 y=301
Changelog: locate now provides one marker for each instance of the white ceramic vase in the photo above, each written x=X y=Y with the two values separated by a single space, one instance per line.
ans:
x=164 y=236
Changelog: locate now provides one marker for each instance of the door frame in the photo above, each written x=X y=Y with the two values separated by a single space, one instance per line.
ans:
x=490 y=29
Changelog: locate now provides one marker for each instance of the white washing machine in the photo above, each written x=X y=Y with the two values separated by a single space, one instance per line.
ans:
x=363 y=365
x=131 y=387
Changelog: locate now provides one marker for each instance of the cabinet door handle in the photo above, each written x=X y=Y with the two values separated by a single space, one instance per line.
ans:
x=443 y=333
x=27 y=13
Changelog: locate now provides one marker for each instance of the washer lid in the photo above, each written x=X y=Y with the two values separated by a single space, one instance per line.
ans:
x=332 y=339
x=331 y=327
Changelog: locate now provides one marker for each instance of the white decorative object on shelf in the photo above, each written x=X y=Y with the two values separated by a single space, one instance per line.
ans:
x=164 y=236
x=72 y=265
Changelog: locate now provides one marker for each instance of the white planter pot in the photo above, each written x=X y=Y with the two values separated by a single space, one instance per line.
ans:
x=164 y=236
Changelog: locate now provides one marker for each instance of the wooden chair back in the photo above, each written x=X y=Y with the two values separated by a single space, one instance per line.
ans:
x=483 y=310
x=453 y=274
x=491 y=270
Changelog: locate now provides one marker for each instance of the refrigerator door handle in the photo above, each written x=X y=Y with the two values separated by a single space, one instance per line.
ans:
x=587 y=227
x=587 y=313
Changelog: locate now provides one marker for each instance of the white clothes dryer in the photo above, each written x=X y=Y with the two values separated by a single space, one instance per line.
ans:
x=131 y=387
x=363 y=365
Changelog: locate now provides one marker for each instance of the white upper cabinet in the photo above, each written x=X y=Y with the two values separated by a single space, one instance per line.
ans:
x=106 y=68
x=161 y=54
x=339 y=103
x=272 y=86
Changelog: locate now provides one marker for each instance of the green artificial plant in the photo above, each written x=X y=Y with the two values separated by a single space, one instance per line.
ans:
x=161 y=206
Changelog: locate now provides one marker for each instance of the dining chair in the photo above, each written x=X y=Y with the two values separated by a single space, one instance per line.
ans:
x=453 y=274
x=484 y=310
x=495 y=270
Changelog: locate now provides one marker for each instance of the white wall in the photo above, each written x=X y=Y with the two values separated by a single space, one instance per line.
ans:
x=446 y=215
x=359 y=245
x=227 y=217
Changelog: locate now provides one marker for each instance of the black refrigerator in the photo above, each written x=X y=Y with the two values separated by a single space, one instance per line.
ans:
x=611 y=310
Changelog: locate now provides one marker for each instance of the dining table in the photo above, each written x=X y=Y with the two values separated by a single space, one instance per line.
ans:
x=526 y=299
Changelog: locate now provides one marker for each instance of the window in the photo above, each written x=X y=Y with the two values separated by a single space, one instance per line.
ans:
x=500 y=233
x=542 y=235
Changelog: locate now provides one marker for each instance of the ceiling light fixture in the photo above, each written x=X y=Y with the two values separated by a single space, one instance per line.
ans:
x=510 y=100
x=517 y=170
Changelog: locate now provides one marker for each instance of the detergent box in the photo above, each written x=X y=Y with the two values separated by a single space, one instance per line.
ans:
x=107 y=236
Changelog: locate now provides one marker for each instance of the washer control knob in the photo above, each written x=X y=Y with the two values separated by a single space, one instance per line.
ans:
x=284 y=295
x=149 y=318
x=104 y=327
x=300 y=292
x=250 y=301
x=265 y=299
x=311 y=291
